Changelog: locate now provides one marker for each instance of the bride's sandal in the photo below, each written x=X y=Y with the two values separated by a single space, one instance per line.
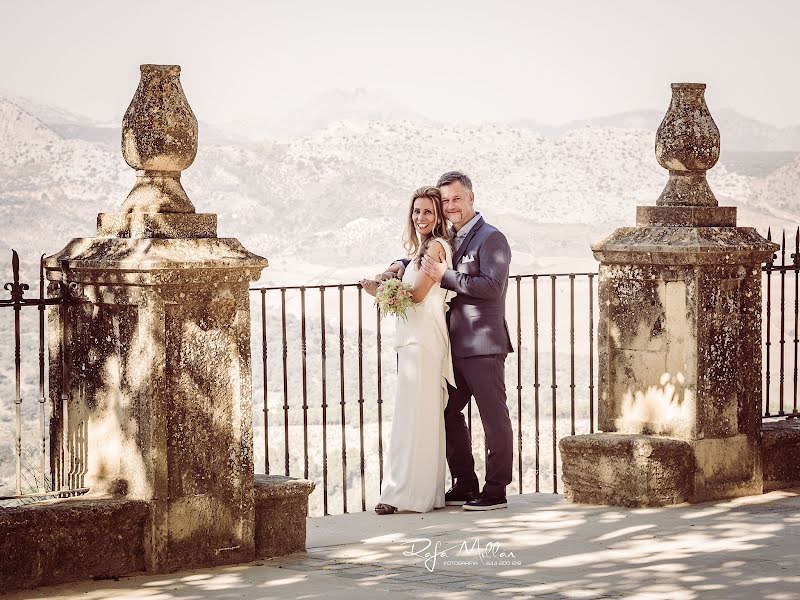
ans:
x=385 y=509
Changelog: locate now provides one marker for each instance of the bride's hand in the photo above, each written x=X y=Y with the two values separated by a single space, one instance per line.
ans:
x=370 y=286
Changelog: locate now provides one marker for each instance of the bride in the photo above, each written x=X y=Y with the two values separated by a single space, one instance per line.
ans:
x=415 y=469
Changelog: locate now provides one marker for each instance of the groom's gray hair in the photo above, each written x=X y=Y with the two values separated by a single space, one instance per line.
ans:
x=452 y=177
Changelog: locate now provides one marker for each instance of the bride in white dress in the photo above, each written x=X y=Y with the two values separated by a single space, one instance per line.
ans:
x=414 y=477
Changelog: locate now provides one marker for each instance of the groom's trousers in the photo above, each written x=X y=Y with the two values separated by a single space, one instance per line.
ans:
x=484 y=378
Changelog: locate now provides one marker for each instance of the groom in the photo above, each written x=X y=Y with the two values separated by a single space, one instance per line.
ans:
x=480 y=342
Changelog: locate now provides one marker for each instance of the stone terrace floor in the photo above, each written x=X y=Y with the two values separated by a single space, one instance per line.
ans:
x=746 y=549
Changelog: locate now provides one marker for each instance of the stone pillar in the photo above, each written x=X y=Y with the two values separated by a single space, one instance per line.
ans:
x=155 y=375
x=679 y=339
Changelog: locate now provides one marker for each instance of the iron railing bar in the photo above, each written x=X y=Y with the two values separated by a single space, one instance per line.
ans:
x=71 y=492
x=355 y=285
x=796 y=266
x=42 y=395
x=536 y=383
x=572 y=353
x=779 y=268
x=297 y=287
x=324 y=368
x=304 y=359
x=264 y=358
x=30 y=302
x=532 y=275
x=554 y=385
x=17 y=290
x=285 y=357
x=342 y=398
x=361 y=398
x=380 y=393
x=519 y=384
x=591 y=354
x=768 y=342
x=782 y=340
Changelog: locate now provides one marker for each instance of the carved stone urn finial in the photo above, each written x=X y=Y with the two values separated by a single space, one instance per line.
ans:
x=159 y=140
x=687 y=143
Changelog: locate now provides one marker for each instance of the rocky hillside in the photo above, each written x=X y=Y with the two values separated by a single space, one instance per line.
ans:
x=336 y=195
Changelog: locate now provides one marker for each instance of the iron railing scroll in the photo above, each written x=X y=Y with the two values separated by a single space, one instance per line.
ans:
x=31 y=483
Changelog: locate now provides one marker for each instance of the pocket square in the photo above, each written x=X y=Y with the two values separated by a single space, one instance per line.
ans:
x=467 y=258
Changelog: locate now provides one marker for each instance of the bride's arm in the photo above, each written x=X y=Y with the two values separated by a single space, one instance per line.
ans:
x=423 y=283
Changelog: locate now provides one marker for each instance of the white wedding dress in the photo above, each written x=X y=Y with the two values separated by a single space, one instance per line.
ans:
x=414 y=476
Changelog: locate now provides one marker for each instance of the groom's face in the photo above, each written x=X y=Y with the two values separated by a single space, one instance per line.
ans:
x=457 y=203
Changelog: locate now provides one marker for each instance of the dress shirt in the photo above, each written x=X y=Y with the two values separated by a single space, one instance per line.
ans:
x=462 y=233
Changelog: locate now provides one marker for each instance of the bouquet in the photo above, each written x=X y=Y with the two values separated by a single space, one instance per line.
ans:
x=393 y=297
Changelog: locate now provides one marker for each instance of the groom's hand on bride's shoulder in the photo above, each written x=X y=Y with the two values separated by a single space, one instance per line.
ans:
x=433 y=269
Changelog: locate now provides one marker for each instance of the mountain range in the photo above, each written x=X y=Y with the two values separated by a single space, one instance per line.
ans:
x=327 y=196
x=738 y=132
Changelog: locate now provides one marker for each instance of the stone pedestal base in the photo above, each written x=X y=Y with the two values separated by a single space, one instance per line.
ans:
x=64 y=540
x=645 y=470
x=58 y=541
x=281 y=505
x=781 y=454
x=626 y=470
x=726 y=468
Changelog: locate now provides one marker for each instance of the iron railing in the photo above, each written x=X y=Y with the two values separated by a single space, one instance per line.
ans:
x=775 y=276
x=322 y=342
x=31 y=477
x=555 y=348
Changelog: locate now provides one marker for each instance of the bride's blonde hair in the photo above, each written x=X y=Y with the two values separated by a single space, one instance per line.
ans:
x=415 y=246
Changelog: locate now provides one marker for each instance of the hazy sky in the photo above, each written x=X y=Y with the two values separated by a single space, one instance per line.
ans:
x=552 y=61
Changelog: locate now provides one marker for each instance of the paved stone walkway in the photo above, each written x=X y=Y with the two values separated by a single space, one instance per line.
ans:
x=411 y=580
x=540 y=547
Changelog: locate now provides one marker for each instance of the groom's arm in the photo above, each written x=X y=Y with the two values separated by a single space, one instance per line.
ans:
x=396 y=269
x=495 y=257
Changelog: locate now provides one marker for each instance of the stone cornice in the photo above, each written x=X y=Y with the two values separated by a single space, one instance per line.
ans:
x=147 y=261
x=683 y=246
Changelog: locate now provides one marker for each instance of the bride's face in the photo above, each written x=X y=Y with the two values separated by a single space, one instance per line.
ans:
x=423 y=216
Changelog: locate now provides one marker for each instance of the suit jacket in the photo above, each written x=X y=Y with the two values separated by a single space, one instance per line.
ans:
x=477 y=315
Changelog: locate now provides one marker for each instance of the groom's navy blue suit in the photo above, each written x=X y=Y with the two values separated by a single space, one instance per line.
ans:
x=480 y=342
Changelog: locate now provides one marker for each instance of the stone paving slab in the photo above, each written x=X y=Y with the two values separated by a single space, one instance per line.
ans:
x=743 y=549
